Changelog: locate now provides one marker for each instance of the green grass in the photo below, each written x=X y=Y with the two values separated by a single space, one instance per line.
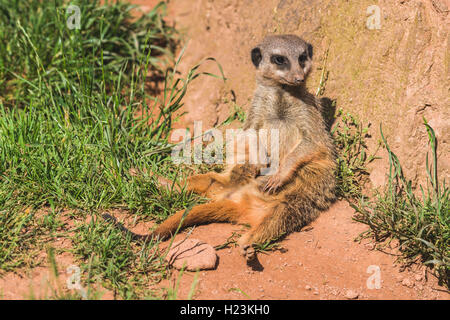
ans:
x=76 y=119
x=349 y=136
x=39 y=51
x=418 y=219
x=124 y=267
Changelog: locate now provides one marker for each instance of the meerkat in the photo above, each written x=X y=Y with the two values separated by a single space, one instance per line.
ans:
x=304 y=183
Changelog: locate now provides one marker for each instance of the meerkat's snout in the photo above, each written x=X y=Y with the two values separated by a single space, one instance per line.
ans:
x=283 y=59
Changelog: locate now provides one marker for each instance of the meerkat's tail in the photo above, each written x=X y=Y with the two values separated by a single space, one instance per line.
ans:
x=118 y=225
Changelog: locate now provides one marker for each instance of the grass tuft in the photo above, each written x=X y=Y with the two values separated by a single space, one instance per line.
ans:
x=419 y=221
x=349 y=136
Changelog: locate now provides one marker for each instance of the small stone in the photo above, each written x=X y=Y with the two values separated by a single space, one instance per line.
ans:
x=193 y=254
x=307 y=287
x=351 y=294
x=407 y=283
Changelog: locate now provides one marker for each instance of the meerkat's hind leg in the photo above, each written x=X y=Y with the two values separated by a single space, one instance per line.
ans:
x=269 y=225
x=207 y=184
x=216 y=211
x=213 y=183
x=200 y=183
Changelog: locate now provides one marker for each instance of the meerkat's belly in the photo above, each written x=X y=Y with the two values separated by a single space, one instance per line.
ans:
x=282 y=137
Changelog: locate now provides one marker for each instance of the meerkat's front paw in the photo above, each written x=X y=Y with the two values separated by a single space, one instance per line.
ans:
x=273 y=184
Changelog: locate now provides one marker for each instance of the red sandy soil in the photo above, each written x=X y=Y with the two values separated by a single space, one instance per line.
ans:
x=322 y=262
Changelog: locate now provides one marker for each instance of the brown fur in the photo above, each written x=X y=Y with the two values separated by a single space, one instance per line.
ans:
x=304 y=182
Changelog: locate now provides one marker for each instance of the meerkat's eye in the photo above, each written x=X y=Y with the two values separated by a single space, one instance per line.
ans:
x=303 y=57
x=279 y=60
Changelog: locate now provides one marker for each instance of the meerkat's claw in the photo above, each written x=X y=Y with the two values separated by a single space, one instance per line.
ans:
x=248 y=252
x=273 y=184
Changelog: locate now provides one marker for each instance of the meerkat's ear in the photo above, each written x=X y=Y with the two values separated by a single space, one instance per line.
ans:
x=256 y=56
x=310 y=50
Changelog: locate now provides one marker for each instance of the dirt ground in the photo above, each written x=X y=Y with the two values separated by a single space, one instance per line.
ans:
x=323 y=261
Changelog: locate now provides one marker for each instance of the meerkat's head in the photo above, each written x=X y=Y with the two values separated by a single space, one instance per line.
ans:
x=282 y=59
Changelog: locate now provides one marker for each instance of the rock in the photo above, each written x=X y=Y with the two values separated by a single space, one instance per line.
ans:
x=407 y=283
x=418 y=277
x=193 y=254
x=307 y=287
x=351 y=294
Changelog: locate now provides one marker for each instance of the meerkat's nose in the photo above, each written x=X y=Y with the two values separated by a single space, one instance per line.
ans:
x=299 y=78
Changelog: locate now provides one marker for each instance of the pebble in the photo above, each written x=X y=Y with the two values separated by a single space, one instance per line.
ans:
x=351 y=294
x=307 y=287
x=192 y=253
x=407 y=283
